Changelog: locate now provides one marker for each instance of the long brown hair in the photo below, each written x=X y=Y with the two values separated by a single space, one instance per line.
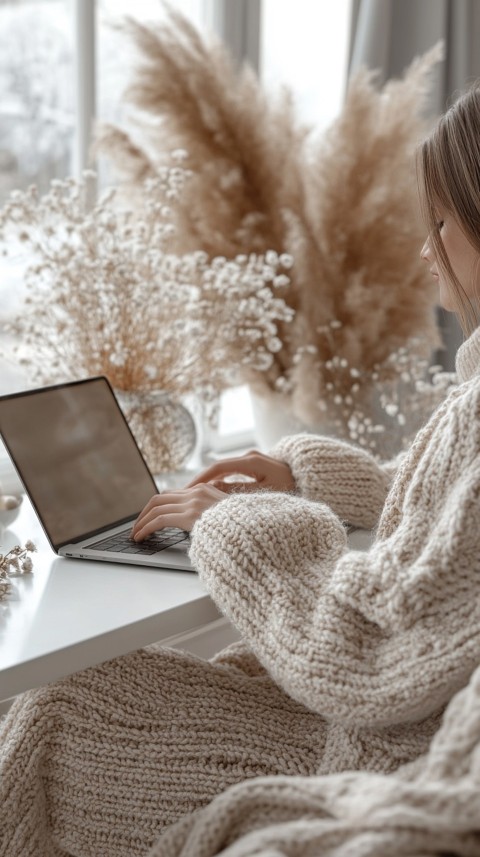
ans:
x=448 y=169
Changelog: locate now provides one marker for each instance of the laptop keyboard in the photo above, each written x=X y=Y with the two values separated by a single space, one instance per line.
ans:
x=123 y=543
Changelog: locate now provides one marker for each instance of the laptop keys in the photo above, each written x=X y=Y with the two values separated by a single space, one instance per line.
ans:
x=122 y=543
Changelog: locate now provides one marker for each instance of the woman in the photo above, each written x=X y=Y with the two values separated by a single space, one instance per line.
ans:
x=347 y=659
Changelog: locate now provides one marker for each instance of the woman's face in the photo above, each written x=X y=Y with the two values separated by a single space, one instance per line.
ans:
x=464 y=259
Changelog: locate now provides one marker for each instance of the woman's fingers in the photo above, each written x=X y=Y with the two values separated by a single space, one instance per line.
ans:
x=265 y=471
x=248 y=465
x=161 y=500
x=175 y=509
x=181 y=508
x=160 y=520
x=155 y=514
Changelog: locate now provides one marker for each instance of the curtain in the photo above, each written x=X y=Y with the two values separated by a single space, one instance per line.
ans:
x=387 y=34
x=238 y=25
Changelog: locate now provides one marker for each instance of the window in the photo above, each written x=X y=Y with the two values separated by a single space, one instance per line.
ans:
x=304 y=45
x=49 y=89
x=39 y=110
x=36 y=102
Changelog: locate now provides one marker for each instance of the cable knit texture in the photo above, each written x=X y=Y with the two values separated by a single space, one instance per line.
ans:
x=347 y=479
x=431 y=807
x=314 y=734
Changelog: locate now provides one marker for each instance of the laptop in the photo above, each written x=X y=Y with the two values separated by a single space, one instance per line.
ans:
x=85 y=475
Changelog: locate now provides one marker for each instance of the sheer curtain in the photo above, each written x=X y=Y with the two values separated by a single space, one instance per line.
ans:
x=388 y=34
x=238 y=24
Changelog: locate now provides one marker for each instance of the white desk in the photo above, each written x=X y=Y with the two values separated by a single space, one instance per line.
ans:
x=70 y=614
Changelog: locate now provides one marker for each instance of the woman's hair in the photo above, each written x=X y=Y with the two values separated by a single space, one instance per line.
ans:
x=448 y=169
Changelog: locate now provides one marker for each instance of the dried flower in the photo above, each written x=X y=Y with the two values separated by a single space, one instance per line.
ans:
x=14 y=563
x=379 y=411
x=107 y=296
x=260 y=180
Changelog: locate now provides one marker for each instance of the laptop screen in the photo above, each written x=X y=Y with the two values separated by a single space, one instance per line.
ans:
x=76 y=457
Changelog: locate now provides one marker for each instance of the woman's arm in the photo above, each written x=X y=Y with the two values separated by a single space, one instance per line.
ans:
x=181 y=508
x=345 y=477
x=373 y=638
x=319 y=468
x=253 y=471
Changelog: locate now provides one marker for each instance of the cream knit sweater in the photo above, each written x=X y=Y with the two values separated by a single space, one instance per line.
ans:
x=431 y=807
x=348 y=661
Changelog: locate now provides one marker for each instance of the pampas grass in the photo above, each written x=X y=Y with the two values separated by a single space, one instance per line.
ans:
x=343 y=205
x=244 y=150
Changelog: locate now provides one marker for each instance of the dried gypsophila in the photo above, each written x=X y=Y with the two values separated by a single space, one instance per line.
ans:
x=380 y=410
x=106 y=297
x=15 y=563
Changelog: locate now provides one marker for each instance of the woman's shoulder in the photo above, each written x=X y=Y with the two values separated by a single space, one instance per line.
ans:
x=464 y=399
x=452 y=438
x=453 y=431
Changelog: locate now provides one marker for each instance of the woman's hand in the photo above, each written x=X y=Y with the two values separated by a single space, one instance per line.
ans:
x=262 y=472
x=183 y=507
x=175 y=509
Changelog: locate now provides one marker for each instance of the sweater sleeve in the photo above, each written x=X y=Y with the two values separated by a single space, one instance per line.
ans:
x=345 y=477
x=375 y=638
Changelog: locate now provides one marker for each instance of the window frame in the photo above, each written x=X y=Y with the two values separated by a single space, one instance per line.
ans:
x=238 y=24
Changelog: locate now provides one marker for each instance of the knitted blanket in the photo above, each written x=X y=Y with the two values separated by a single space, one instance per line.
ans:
x=428 y=807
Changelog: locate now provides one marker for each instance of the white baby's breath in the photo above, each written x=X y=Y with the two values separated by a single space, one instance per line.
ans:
x=379 y=409
x=106 y=294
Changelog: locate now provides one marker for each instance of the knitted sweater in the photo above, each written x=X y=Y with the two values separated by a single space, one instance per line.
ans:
x=431 y=807
x=347 y=662
x=377 y=638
